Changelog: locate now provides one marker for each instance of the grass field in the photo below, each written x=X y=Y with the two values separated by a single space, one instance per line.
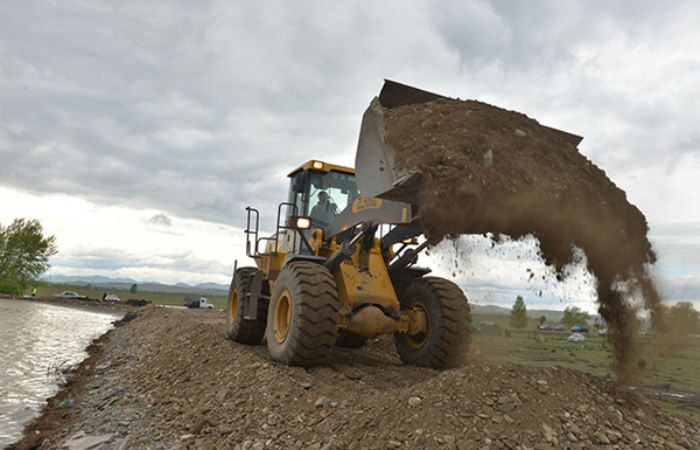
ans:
x=662 y=361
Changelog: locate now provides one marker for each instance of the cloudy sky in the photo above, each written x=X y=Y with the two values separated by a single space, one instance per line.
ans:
x=137 y=132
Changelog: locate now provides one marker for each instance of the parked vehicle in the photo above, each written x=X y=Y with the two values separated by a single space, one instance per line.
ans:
x=545 y=328
x=576 y=337
x=111 y=298
x=69 y=294
x=194 y=301
x=602 y=331
x=559 y=328
x=579 y=329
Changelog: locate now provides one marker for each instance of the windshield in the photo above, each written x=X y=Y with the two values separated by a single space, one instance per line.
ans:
x=329 y=194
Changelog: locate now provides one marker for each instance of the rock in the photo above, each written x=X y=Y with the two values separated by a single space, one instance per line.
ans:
x=258 y=445
x=673 y=446
x=507 y=418
x=488 y=158
x=305 y=384
x=548 y=433
x=322 y=401
x=329 y=444
x=601 y=438
x=570 y=436
x=414 y=401
x=639 y=413
x=497 y=419
x=391 y=445
x=520 y=132
x=88 y=442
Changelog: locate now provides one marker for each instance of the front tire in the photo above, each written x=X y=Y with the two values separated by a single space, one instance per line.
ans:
x=446 y=341
x=237 y=328
x=302 y=318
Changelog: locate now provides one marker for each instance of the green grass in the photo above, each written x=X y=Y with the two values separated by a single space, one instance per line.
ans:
x=159 y=298
x=662 y=361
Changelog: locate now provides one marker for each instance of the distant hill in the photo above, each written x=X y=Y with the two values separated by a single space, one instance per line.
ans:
x=125 y=284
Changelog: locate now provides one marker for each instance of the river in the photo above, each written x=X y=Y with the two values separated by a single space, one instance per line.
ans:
x=37 y=340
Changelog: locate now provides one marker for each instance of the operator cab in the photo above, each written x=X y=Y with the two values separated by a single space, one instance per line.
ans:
x=320 y=191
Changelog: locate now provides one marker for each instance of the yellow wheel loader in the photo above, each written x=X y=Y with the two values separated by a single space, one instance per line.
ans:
x=340 y=267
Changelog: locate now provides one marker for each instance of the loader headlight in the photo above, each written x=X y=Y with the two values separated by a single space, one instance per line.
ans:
x=303 y=223
x=318 y=165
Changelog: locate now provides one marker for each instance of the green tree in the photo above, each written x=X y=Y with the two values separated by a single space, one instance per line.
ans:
x=542 y=320
x=518 y=315
x=134 y=288
x=683 y=319
x=574 y=315
x=25 y=251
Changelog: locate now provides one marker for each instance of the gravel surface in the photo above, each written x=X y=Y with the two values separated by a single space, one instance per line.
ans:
x=170 y=379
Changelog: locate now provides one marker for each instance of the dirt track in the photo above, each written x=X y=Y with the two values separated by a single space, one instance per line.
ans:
x=170 y=379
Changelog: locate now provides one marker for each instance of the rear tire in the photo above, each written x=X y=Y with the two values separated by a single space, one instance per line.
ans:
x=446 y=341
x=302 y=318
x=237 y=328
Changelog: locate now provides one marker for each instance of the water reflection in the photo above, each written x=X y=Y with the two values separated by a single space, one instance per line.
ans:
x=36 y=341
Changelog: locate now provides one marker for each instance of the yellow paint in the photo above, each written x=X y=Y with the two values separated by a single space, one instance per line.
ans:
x=327 y=167
x=372 y=286
x=362 y=203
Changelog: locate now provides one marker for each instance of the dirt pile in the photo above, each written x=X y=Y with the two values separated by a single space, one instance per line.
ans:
x=171 y=379
x=486 y=169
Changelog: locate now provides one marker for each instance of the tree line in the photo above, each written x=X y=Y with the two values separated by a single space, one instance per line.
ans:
x=679 y=319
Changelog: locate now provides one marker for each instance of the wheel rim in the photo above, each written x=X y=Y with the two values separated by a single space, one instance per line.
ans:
x=282 y=316
x=233 y=306
x=417 y=341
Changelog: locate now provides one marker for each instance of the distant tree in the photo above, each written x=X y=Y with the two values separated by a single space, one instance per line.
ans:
x=574 y=315
x=134 y=288
x=25 y=251
x=518 y=315
x=683 y=319
x=542 y=320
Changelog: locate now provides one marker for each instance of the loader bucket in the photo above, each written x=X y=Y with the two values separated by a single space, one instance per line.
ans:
x=375 y=167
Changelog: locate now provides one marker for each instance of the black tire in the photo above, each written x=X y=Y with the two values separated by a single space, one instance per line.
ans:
x=446 y=342
x=237 y=328
x=302 y=318
x=350 y=340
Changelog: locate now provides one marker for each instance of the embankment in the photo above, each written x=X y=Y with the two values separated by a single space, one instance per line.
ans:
x=170 y=379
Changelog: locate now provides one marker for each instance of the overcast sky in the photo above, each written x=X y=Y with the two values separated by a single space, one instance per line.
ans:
x=137 y=132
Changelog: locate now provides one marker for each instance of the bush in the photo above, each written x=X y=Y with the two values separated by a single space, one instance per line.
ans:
x=11 y=287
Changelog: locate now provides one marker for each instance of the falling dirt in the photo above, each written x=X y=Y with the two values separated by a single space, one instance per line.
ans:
x=489 y=170
x=169 y=379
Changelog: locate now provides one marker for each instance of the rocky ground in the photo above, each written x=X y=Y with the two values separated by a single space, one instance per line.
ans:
x=170 y=379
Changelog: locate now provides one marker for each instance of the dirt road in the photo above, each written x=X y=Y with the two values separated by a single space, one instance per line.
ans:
x=170 y=379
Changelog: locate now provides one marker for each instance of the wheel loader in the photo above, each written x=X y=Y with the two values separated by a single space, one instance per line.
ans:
x=340 y=267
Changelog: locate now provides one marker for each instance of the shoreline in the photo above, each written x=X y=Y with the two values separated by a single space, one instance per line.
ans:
x=169 y=379
x=51 y=420
x=85 y=305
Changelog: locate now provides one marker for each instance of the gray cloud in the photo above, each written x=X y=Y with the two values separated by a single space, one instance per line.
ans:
x=200 y=109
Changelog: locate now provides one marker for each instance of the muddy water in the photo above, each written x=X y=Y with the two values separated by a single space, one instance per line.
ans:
x=36 y=341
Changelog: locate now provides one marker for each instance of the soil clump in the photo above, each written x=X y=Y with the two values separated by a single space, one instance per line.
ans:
x=170 y=379
x=490 y=170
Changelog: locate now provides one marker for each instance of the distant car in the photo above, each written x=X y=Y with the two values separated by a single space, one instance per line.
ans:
x=603 y=331
x=576 y=337
x=193 y=301
x=579 y=329
x=111 y=298
x=559 y=328
x=68 y=294
x=545 y=327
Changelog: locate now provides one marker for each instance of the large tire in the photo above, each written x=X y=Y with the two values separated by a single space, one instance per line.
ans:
x=350 y=340
x=446 y=342
x=237 y=328
x=302 y=318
